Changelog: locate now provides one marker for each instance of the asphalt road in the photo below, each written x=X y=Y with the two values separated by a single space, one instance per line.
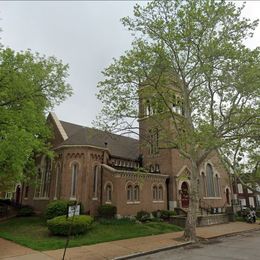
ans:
x=243 y=246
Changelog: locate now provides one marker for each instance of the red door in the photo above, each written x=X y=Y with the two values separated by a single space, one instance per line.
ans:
x=184 y=195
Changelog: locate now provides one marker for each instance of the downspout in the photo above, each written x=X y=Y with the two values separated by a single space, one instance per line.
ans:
x=167 y=193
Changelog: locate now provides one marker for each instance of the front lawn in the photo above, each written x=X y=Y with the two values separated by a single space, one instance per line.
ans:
x=32 y=232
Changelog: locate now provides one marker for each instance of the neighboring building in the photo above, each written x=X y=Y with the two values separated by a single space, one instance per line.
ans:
x=258 y=196
x=246 y=197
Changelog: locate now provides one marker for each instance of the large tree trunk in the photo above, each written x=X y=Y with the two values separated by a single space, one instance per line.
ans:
x=191 y=221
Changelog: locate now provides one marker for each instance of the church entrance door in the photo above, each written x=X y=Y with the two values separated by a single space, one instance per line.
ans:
x=184 y=195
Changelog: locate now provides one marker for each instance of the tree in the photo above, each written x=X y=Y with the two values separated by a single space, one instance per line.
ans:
x=198 y=47
x=30 y=85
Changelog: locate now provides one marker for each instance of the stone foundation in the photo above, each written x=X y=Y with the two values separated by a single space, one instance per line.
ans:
x=206 y=220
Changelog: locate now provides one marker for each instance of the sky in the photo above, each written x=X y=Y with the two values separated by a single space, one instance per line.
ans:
x=87 y=35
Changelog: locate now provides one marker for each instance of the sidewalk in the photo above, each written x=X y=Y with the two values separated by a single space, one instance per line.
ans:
x=120 y=248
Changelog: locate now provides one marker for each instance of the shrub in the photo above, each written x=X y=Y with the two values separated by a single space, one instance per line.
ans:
x=156 y=213
x=25 y=211
x=143 y=216
x=166 y=214
x=61 y=225
x=107 y=211
x=56 y=208
x=5 y=201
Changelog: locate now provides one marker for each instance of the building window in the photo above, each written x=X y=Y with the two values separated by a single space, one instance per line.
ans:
x=154 y=141
x=136 y=193
x=217 y=187
x=178 y=106
x=46 y=178
x=210 y=181
x=242 y=202
x=38 y=184
x=74 y=174
x=43 y=179
x=251 y=201
x=239 y=188
x=204 y=186
x=133 y=193
x=57 y=181
x=95 y=181
x=26 y=193
x=155 y=192
x=148 y=108
x=129 y=192
x=160 y=193
x=108 y=193
x=248 y=190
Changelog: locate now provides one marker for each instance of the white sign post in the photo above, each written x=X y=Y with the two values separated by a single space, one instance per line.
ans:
x=73 y=210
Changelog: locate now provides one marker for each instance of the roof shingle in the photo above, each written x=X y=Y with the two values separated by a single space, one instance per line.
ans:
x=119 y=146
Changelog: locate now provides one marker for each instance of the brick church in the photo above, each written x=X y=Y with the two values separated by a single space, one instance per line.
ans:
x=96 y=168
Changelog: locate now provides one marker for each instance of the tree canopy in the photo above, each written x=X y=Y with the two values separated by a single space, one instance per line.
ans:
x=30 y=85
x=199 y=47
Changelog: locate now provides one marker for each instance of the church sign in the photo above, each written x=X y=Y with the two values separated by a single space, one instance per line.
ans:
x=73 y=210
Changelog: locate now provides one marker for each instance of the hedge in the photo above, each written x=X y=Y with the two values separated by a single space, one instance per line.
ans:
x=56 y=208
x=143 y=216
x=25 y=211
x=107 y=211
x=61 y=225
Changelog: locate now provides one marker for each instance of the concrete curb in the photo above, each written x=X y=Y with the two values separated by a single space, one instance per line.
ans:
x=151 y=251
x=233 y=233
x=130 y=256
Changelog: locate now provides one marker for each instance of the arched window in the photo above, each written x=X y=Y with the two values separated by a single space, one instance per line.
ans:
x=155 y=192
x=210 y=181
x=216 y=182
x=203 y=184
x=37 y=191
x=154 y=141
x=46 y=177
x=136 y=193
x=26 y=192
x=160 y=193
x=108 y=192
x=148 y=108
x=43 y=178
x=57 y=181
x=129 y=192
x=95 y=181
x=74 y=174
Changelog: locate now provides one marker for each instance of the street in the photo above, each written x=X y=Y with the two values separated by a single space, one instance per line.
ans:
x=243 y=246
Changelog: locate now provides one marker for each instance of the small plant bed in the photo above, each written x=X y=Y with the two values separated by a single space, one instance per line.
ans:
x=33 y=232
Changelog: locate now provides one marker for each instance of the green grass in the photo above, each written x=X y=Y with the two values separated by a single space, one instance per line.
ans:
x=32 y=232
